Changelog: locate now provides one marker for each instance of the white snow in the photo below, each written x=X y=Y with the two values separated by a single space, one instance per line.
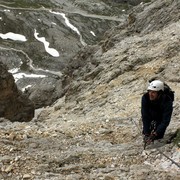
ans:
x=75 y=29
x=6 y=10
x=23 y=89
x=53 y=52
x=13 y=36
x=92 y=33
x=18 y=76
x=14 y=70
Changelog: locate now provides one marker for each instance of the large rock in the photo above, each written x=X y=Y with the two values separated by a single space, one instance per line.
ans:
x=47 y=92
x=14 y=105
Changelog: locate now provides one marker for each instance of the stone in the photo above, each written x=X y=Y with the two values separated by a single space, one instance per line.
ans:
x=27 y=176
x=14 y=105
x=8 y=169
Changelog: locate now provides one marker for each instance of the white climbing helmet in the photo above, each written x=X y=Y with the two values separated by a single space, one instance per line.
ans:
x=156 y=85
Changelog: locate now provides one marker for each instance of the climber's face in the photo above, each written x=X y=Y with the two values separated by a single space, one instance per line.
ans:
x=153 y=95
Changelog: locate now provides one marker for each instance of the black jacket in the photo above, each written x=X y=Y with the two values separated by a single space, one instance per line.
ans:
x=159 y=111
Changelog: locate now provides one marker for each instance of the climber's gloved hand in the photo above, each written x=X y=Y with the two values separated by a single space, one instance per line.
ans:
x=147 y=139
x=153 y=136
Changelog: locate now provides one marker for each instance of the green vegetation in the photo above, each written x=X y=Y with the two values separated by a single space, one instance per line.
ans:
x=177 y=138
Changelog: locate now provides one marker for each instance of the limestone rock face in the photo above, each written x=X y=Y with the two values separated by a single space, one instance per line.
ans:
x=13 y=104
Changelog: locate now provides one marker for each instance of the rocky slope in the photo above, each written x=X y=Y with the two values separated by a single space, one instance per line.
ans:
x=46 y=34
x=93 y=131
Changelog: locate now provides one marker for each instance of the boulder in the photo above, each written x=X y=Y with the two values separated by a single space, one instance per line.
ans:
x=14 y=105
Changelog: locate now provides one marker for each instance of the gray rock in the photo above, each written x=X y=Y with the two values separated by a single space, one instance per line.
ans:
x=15 y=106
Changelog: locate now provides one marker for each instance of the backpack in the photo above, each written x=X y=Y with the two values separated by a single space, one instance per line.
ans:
x=168 y=91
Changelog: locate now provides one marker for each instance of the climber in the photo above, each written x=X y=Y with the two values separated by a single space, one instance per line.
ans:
x=156 y=111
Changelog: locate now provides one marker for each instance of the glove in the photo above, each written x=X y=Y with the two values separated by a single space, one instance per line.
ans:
x=153 y=136
x=147 y=139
